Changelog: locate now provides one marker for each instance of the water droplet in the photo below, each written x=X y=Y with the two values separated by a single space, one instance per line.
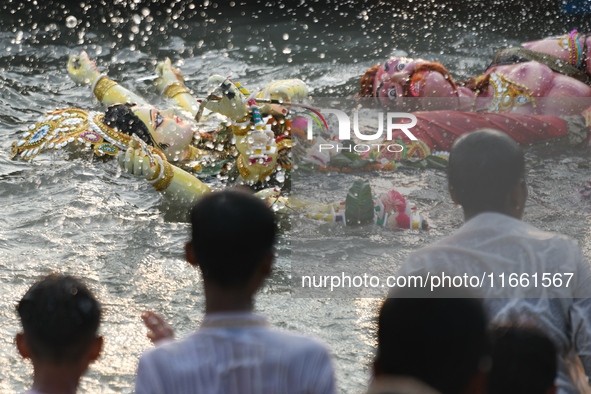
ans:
x=71 y=22
x=280 y=176
x=285 y=36
x=286 y=50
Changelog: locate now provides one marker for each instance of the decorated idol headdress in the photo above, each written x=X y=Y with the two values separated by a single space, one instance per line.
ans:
x=58 y=129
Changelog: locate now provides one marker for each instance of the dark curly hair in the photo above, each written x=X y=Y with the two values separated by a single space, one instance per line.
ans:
x=121 y=118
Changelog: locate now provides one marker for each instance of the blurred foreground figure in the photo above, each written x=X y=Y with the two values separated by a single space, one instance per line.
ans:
x=523 y=274
x=60 y=319
x=524 y=362
x=234 y=350
x=431 y=345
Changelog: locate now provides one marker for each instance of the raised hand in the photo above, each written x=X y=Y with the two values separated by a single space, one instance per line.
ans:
x=158 y=329
x=225 y=98
x=167 y=75
x=82 y=70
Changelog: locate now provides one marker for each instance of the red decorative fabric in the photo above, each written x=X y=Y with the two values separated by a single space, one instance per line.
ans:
x=439 y=129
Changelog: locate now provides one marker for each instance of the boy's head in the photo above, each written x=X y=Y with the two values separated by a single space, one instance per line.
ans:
x=233 y=235
x=524 y=362
x=60 y=319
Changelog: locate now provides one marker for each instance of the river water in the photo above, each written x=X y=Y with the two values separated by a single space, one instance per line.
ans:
x=83 y=217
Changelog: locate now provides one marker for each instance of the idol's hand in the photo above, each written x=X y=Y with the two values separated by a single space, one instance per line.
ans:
x=225 y=98
x=158 y=329
x=167 y=75
x=82 y=70
x=138 y=163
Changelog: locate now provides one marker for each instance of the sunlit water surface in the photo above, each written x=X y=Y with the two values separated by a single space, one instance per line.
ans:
x=83 y=217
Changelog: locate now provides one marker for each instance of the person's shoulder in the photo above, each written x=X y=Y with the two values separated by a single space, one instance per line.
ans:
x=274 y=338
x=492 y=231
x=510 y=226
x=294 y=344
x=488 y=225
x=290 y=349
x=169 y=350
x=550 y=238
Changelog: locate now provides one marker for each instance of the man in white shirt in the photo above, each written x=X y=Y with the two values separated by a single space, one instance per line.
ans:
x=524 y=274
x=234 y=350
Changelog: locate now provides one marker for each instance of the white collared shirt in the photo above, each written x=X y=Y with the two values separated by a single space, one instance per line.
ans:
x=237 y=353
x=490 y=245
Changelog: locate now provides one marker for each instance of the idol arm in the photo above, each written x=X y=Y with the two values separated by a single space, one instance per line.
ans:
x=185 y=187
x=170 y=84
x=84 y=71
x=175 y=183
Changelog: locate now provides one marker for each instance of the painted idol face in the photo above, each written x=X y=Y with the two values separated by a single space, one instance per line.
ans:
x=392 y=77
x=170 y=131
x=405 y=77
